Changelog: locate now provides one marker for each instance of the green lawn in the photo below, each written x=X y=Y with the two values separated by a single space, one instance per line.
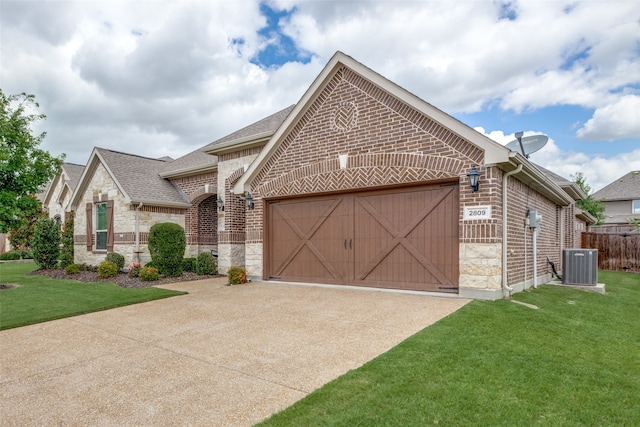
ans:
x=39 y=299
x=573 y=362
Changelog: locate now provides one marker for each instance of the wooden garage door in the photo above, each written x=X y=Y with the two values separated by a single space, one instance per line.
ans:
x=401 y=239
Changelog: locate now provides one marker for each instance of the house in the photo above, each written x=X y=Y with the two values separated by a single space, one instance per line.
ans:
x=360 y=183
x=56 y=197
x=621 y=199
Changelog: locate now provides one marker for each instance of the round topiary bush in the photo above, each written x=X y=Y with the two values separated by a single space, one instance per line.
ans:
x=72 y=269
x=107 y=269
x=167 y=243
x=46 y=242
x=237 y=275
x=149 y=274
x=116 y=258
x=206 y=264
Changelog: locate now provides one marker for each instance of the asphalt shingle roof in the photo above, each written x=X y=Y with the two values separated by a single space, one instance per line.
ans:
x=266 y=126
x=140 y=179
x=626 y=187
x=74 y=172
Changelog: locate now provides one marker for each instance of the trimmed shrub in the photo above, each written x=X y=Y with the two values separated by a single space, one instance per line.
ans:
x=72 y=269
x=206 y=264
x=149 y=274
x=189 y=264
x=107 y=269
x=116 y=258
x=150 y=264
x=46 y=242
x=66 y=238
x=10 y=256
x=237 y=275
x=167 y=243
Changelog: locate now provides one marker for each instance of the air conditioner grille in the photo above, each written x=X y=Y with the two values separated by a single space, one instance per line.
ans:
x=580 y=267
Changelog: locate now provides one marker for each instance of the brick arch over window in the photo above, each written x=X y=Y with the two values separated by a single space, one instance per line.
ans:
x=362 y=171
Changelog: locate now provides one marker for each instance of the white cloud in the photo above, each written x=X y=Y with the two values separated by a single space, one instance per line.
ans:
x=620 y=119
x=158 y=76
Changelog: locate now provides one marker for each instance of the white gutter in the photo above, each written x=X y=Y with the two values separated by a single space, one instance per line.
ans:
x=504 y=228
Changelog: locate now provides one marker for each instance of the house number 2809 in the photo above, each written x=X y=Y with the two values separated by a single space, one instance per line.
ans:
x=477 y=212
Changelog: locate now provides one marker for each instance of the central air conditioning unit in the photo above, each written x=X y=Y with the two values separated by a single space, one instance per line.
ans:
x=580 y=267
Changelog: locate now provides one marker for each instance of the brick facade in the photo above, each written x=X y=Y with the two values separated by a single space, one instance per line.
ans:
x=201 y=219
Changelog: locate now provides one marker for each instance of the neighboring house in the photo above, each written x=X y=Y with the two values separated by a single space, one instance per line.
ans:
x=55 y=200
x=360 y=183
x=621 y=199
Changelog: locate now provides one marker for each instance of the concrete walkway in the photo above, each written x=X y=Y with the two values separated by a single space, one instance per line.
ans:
x=221 y=355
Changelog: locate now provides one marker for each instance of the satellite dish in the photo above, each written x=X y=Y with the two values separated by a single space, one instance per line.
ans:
x=528 y=144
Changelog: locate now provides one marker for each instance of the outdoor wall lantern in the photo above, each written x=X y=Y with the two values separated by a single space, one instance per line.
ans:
x=249 y=201
x=474 y=179
x=220 y=204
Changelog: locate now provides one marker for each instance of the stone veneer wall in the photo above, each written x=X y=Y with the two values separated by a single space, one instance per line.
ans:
x=231 y=222
x=123 y=222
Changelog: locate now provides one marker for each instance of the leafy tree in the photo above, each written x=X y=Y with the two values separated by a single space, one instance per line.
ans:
x=24 y=168
x=589 y=204
x=46 y=242
x=20 y=237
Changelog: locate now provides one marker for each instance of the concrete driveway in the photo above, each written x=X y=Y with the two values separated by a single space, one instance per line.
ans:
x=220 y=355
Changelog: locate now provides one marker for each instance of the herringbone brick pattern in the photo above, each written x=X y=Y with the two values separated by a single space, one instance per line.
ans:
x=362 y=171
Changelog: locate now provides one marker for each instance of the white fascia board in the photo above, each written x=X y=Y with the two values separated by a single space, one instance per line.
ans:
x=239 y=144
x=189 y=171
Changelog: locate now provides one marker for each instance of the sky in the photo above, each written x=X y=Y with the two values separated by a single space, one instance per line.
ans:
x=165 y=77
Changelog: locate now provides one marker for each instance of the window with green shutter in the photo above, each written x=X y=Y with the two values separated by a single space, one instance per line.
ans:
x=101 y=226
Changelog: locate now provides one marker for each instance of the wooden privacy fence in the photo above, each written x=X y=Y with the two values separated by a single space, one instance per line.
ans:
x=616 y=251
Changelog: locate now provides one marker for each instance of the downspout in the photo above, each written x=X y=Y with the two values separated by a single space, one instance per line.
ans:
x=504 y=228
x=535 y=257
x=138 y=233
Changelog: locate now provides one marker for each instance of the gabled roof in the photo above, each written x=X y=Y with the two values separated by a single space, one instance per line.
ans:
x=72 y=171
x=494 y=153
x=138 y=179
x=626 y=187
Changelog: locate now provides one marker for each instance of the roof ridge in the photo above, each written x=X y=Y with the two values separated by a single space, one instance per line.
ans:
x=133 y=155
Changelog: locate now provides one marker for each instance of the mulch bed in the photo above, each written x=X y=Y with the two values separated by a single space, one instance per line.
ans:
x=121 y=279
